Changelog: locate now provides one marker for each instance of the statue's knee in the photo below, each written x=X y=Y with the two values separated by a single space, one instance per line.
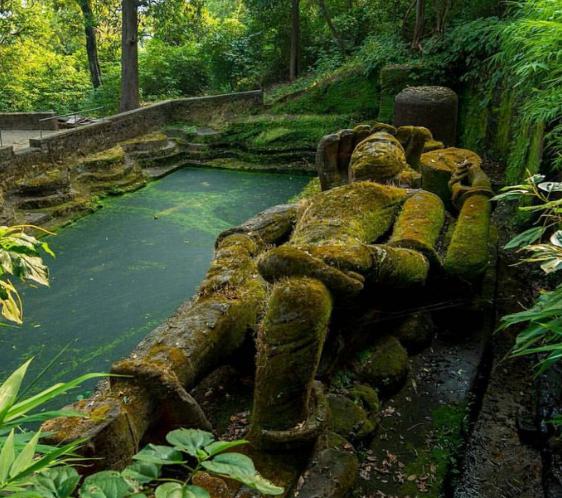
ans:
x=289 y=346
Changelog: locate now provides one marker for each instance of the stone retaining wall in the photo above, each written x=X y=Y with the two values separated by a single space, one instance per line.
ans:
x=107 y=132
x=27 y=121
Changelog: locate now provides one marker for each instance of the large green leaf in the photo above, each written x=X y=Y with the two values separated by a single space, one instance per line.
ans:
x=192 y=441
x=106 y=484
x=58 y=482
x=220 y=446
x=142 y=472
x=159 y=454
x=25 y=458
x=7 y=457
x=241 y=468
x=525 y=238
x=26 y=405
x=10 y=388
x=178 y=490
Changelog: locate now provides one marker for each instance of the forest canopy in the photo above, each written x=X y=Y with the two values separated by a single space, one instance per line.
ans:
x=189 y=47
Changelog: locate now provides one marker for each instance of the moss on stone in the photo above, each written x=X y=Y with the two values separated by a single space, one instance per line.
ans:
x=349 y=419
x=393 y=79
x=419 y=223
x=398 y=267
x=474 y=117
x=440 y=456
x=289 y=346
x=468 y=255
x=504 y=120
x=311 y=188
x=438 y=166
x=415 y=332
x=368 y=399
x=362 y=211
x=384 y=365
x=298 y=132
x=379 y=157
x=346 y=91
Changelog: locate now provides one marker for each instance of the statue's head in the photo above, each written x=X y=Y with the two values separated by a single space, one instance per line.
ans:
x=379 y=158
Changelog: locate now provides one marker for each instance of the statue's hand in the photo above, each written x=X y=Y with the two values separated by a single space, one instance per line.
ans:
x=467 y=180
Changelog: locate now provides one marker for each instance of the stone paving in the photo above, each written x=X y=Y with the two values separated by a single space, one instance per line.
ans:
x=19 y=139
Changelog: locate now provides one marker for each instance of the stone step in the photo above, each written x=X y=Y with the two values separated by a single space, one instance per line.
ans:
x=196 y=147
x=127 y=184
x=48 y=183
x=161 y=171
x=113 y=175
x=42 y=217
x=168 y=148
x=147 y=145
x=46 y=201
x=100 y=163
x=265 y=166
x=160 y=161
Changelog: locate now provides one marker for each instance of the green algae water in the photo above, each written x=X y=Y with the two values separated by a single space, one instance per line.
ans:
x=123 y=270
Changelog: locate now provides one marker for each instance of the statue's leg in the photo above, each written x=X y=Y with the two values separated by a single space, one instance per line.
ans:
x=289 y=346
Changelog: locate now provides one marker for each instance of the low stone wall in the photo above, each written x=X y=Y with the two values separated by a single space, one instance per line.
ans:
x=27 y=121
x=107 y=132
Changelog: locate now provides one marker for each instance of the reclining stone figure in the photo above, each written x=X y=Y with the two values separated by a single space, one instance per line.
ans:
x=374 y=230
x=385 y=225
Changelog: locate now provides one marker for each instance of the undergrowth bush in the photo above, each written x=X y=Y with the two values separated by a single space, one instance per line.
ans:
x=541 y=244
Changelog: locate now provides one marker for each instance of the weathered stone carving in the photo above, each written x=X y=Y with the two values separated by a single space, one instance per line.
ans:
x=309 y=284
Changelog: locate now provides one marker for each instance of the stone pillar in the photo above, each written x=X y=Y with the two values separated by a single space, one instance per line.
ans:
x=435 y=107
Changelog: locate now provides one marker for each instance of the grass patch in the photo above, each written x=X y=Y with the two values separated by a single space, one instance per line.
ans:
x=438 y=459
x=346 y=91
x=284 y=131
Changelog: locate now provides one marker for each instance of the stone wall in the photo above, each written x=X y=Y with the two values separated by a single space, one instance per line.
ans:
x=27 y=121
x=107 y=132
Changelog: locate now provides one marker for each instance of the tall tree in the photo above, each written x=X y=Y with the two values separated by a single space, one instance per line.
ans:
x=441 y=16
x=295 y=39
x=335 y=33
x=418 y=26
x=91 y=43
x=129 y=56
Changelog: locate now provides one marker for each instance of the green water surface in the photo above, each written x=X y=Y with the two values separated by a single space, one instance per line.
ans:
x=123 y=270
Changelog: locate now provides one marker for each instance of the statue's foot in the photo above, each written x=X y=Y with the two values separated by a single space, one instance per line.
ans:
x=286 y=261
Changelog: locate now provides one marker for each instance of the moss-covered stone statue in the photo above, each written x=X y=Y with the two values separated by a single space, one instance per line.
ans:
x=372 y=226
x=398 y=218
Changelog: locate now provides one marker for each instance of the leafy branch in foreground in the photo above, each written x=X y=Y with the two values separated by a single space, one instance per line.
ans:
x=20 y=256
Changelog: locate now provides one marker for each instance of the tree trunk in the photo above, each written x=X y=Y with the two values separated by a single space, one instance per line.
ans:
x=333 y=30
x=91 y=44
x=418 y=27
x=295 y=40
x=129 y=56
x=442 y=16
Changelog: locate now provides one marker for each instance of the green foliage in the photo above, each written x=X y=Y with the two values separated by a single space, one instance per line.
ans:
x=22 y=458
x=171 y=71
x=284 y=131
x=542 y=322
x=20 y=256
x=191 y=449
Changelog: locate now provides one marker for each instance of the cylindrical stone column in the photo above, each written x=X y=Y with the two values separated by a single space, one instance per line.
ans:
x=435 y=107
